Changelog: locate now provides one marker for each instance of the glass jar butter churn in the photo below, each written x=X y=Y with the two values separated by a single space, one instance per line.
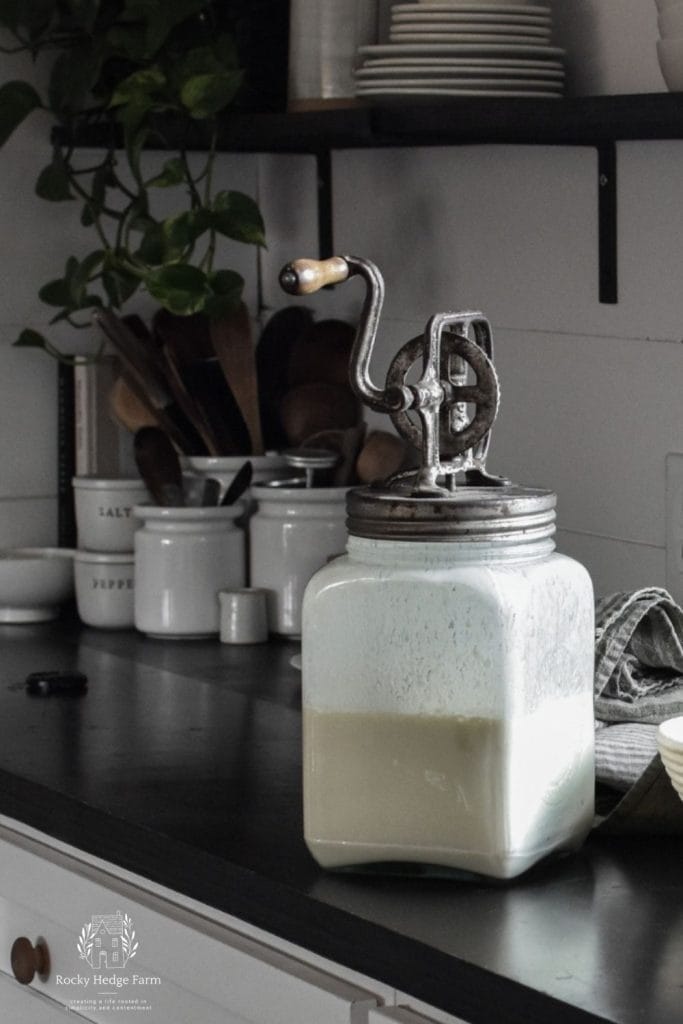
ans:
x=448 y=655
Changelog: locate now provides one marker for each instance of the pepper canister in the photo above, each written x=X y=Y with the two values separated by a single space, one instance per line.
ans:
x=183 y=558
x=447 y=658
x=295 y=530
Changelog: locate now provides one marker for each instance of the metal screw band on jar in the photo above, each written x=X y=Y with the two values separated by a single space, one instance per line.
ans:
x=510 y=514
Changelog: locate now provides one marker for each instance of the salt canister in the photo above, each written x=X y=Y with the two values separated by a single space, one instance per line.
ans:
x=184 y=557
x=447 y=657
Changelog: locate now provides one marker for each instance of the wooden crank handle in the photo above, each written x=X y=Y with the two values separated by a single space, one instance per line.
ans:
x=304 y=277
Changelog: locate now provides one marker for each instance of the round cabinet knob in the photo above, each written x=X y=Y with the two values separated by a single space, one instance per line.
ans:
x=28 y=960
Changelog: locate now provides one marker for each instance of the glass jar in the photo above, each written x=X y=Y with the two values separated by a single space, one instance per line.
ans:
x=183 y=558
x=447 y=692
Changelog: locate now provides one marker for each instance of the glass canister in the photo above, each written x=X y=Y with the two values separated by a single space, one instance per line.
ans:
x=183 y=558
x=447 y=696
x=447 y=657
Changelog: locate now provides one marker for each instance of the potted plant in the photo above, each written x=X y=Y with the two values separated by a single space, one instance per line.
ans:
x=133 y=74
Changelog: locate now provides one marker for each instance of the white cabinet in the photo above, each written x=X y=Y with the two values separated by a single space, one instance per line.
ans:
x=22 y=1006
x=116 y=947
x=121 y=946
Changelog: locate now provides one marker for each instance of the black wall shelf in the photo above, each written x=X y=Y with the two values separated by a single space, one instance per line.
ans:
x=596 y=121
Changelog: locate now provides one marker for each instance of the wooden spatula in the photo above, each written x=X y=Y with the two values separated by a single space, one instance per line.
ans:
x=232 y=342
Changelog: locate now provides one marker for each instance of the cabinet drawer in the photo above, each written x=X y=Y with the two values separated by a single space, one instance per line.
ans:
x=182 y=968
x=405 y=1015
x=25 y=1006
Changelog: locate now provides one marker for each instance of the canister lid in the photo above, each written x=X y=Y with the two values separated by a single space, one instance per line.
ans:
x=504 y=513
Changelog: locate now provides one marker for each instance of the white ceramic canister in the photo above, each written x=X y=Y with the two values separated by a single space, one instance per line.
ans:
x=447 y=695
x=293 y=532
x=105 y=589
x=184 y=557
x=224 y=467
x=104 y=512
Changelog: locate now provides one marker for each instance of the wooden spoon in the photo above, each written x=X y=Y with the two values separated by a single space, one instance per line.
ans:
x=159 y=466
x=233 y=345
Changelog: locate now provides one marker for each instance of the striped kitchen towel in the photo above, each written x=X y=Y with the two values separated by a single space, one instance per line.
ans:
x=638 y=657
x=638 y=683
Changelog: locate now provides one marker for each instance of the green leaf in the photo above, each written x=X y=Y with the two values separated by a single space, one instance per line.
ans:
x=180 y=288
x=30 y=339
x=17 y=101
x=56 y=293
x=226 y=293
x=53 y=181
x=237 y=216
x=140 y=87
x=119 y=286
x=207 y=94
x=152 y=249
x=85 y=270
x=172 y=173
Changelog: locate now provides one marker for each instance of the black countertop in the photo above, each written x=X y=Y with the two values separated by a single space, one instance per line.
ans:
x=192 y=750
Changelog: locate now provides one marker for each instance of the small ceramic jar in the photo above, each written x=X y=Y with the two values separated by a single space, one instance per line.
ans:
x=293 y=533
x=105 y=589
x=224 y=467
x=104 y=512
x=184 y=558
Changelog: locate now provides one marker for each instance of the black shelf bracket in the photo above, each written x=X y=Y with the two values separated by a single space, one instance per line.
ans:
x=607 y=222
x=323 y=164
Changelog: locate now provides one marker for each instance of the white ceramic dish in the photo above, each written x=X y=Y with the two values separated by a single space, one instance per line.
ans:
x=424 y=16
x=390 y=93
x=368 y=75
x=465 y=62
x=670 y=743
x=511 y=86
x=670 y=22
x=470 y=49
x=495 y=38
x=670 y=56
x=475 y=5
x=34 y=582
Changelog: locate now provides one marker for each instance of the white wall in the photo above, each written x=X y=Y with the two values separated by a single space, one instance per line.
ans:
x=591 y=394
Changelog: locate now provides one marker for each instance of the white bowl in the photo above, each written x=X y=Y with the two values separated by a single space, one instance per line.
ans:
x=34 y=582
x=670 y=743
x=670 y=21
x=670 y=57
x=670 y=733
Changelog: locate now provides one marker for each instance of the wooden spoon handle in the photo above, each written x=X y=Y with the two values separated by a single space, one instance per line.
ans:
x=232 y=342
x=303 y=277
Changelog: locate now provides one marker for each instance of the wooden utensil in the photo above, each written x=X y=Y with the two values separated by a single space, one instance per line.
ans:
x=310 y=408
x=186 y=343
x=148 y=384
x=159 y=466
x=273 y=350
x=232 y=342
x=127 y=409
x=322 y=353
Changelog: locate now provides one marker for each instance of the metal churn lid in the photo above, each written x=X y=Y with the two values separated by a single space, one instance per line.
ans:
x=442 y=395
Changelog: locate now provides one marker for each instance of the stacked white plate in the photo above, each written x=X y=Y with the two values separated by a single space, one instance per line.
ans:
x=670 y=42
x=463 y=48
